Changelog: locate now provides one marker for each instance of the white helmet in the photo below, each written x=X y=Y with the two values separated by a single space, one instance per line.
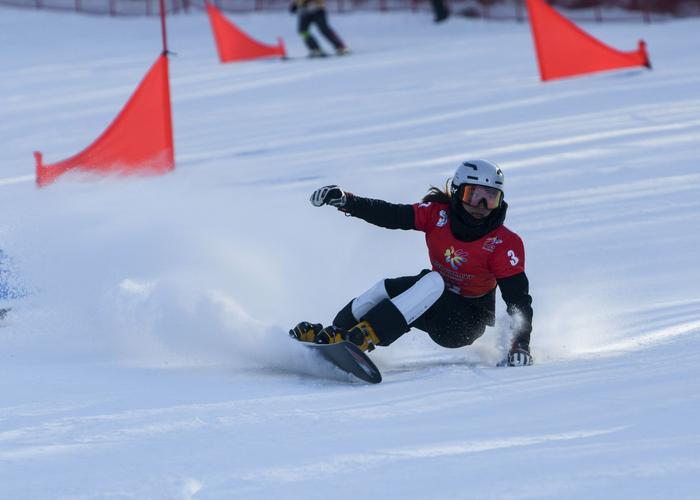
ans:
x=478 y=172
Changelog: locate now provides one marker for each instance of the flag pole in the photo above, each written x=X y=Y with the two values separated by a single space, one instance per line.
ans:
x=162 y=26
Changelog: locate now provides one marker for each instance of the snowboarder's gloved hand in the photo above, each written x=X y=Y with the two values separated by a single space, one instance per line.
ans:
x=519 y=356
x=329 y=195
x=293 y=7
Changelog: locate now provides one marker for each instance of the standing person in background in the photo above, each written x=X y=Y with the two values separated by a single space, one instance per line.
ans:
x=314 y=12
x=471 y=254
x=440 y=10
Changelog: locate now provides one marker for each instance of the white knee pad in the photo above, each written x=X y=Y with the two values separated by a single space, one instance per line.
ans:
x=366 y=302
x=417 y=299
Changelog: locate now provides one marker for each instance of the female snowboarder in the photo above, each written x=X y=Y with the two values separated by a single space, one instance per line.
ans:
x=471 y=253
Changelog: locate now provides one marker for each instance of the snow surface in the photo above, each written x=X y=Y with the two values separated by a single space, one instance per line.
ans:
x=149 y=358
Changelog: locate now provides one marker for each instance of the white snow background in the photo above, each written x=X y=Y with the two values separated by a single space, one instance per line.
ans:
x=150 y=358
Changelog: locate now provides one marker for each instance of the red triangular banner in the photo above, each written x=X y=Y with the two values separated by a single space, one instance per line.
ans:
x=138 y=141
x=563 y=49
x=234 y=45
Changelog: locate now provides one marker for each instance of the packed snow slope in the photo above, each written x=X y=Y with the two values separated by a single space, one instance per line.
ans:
x=149 y=358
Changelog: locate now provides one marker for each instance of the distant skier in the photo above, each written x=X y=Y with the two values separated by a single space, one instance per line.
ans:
x=440 y=10
x=471 y=252
x=314 y=12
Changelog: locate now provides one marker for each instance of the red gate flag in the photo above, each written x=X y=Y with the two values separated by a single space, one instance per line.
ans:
x=563 y=49
x=138 y=141
x=234 y=45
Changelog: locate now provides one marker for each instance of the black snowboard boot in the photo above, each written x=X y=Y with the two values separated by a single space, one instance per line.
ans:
x=305 y=331
x=362 y=335
x=331 y=335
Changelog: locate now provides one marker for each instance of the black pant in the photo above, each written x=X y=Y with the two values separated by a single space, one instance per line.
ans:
x=440 y=10
x=317 y=17
x=452 y=321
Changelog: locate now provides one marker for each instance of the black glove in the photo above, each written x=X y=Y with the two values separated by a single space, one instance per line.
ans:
x=329 y=195
x=292 y=7
x=517 y=356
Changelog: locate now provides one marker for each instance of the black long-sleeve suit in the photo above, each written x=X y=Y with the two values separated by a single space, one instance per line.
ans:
x=454 y=320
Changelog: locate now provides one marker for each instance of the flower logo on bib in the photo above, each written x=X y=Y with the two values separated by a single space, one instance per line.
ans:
x=455 y=258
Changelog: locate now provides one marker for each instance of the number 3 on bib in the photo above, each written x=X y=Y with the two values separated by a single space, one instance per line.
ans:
x=513 y=258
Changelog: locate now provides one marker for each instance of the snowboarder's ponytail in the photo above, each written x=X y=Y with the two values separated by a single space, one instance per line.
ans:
x=437 y=195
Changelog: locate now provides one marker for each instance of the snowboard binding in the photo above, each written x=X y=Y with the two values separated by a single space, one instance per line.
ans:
x=343 y=348
x=305 y=331
x=362 y=334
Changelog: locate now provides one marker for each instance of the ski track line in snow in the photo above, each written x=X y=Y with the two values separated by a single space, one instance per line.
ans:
x=83 y=433
x=637 y=317
x=17 y=180
x=388 y=147
x=651 y=325
x=420 y=144
x=576 y=207
x=600 y=194
x=78 y=102
x=43 y=451
x=344 y=464
x=104 y=115
x=51 y=71
x=605 y=225
x=658 y=453
x=221 y=88
x=450 y=158
x=372 y=155
x=600 y=126
x=38 y=410
x=567 y=127
x=77 y=434
x=218 y=82
x=647 y=340
x=663 y=307
x=382 y=127
x=338 y=153
x=630 y=116
x=98 y=430
x=221 y=83
x=571 y=155
x=400 y=146
x=568 y=140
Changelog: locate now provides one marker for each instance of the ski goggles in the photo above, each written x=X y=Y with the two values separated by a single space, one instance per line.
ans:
x=480 y=196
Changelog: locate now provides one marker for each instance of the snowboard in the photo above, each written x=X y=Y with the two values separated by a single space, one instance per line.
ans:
x=349 y=358
x=324 y=56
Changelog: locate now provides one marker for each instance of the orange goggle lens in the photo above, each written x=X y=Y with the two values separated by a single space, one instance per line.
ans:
x=481 y=196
